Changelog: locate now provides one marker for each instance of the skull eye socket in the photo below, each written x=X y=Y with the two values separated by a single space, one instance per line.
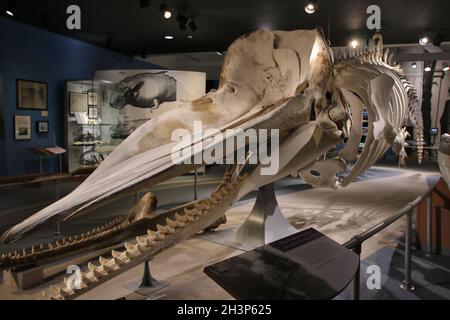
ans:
x=328 y=96
x=315 y=173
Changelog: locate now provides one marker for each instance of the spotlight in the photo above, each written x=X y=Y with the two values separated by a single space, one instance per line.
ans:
x=192 y=25
x=354 y=44
x=445 y=67
x=144 y=3
x=219 y=53
x=168 y=37
x=10 y=8
x=424 y=40
x=414 y=65
x=165 y=11
x=310 y=7
x=427 y=69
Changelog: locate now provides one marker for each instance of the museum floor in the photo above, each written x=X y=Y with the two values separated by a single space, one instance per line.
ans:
x=340 y=214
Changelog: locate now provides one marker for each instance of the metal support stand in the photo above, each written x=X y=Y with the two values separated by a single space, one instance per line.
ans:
x=195 y=184
x=406 y=285
x=356 y=279
x=147 y=279
x=265 y=223
x=429 y=226
x=57 y=232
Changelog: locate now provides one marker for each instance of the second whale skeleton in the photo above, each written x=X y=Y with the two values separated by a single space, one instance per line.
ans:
x=286 y=80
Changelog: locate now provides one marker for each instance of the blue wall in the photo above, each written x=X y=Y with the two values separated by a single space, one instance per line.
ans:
x=31 y=53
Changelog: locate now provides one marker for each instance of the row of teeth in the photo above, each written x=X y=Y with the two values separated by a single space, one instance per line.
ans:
x=42 y=249
x=140 y=245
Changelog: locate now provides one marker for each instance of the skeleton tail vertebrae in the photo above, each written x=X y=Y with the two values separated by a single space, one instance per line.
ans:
x=374 y=53
x=186 y=223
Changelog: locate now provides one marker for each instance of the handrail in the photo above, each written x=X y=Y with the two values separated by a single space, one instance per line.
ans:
x=360 y=238
x=355 y=243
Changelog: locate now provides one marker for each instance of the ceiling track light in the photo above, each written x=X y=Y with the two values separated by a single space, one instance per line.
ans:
x=424 y=40
x=144 y=3
x=414 y=65
x=168 y=37
x=445 y=67
x=165 y=11
x=311 y=7
x=10 y=8
x=427 y=69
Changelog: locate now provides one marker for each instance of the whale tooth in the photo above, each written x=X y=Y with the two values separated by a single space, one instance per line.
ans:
x=172 y=223
x=92 y=276
x=141 y=238
x=116 y=254
x=224 y=190
x=92 y=266
x=66 y=292
x=102 y=260
x=165 y=229
x=129 y=246
x=155 y=235
x=179 y=218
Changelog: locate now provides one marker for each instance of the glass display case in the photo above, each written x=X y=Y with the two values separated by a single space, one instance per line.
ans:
x=88 y=125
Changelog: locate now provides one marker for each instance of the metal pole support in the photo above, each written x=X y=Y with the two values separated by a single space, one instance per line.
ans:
x=356 y=279
x=429 y=226
x=147 y=279
x=407 y=285
x=195 y=184
x=57 y=232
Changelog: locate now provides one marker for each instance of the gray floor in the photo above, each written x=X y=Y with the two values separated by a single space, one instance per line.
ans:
x=340 y=214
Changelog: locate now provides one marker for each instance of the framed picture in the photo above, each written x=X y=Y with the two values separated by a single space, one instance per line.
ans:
x=93 y=113
x=92 y=98
x=22 y=127
x=31 y=95
x=42 y=126
x=77 y=102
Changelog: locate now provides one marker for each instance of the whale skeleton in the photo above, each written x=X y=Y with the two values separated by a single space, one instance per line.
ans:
x=269 y=80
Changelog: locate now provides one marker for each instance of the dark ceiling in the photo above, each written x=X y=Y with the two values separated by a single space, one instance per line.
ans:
x=132 y=29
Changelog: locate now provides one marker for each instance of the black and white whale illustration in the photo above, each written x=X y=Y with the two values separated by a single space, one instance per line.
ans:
x=144 y=90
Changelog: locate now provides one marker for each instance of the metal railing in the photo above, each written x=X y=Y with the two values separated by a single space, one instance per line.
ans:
x=357 y=241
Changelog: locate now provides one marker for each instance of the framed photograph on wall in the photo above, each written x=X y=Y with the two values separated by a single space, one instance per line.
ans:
x=22 y=127
x=31 y=95
x=92 y=98
x=42 y=126
x=77 y=102
x=93 y=113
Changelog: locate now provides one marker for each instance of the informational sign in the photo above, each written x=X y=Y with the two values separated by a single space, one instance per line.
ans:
x=306 y=265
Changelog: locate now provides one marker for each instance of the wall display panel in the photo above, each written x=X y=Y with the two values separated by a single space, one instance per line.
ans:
x=22 y=127
x=114 y=104
x=132 y=97
x=31 y=95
